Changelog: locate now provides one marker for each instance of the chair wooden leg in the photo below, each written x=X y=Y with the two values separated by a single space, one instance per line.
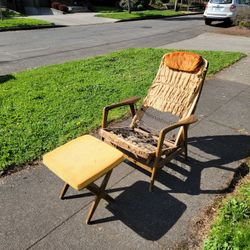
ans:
x=185 y=151
x=64 y=190
x=100 y=194
x=152 y=180
x=185 y=143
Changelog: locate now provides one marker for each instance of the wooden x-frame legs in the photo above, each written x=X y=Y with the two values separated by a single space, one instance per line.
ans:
x=98 y=191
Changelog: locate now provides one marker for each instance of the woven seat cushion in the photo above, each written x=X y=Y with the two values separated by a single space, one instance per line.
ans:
x=183 y=61
x=82 y=160
x=134 y=141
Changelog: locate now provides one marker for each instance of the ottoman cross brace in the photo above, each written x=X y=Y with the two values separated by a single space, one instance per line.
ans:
x=99 y=192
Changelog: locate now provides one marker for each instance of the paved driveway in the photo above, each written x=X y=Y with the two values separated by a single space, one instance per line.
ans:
x=74 y=19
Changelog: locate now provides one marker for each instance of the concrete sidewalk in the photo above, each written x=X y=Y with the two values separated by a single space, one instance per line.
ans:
x=33 y=217
x=74 y=19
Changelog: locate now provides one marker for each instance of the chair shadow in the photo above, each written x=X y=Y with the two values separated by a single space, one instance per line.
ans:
x=150 y=215
x=223 y=151
x=6 y=78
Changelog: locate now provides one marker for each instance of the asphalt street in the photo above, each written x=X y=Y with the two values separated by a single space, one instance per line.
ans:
x=20 y=50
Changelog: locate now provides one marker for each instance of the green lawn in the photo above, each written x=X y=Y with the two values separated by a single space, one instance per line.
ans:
x=146 y=14
x=45 y=107
x=231 y=229
x=21 y=22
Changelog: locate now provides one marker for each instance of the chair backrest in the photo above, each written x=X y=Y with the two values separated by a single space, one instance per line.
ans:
x=177 y=85
x=175 y=90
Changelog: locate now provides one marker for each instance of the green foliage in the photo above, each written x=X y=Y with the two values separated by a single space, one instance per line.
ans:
x=245 y=24
x=135 y=4
x=43 y=108
x=235 y=211
x=21 y=22
x=10 y=13
x=146 y=14
x=231 y=229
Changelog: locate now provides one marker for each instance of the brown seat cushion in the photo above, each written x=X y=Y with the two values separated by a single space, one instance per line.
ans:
x=183 y=61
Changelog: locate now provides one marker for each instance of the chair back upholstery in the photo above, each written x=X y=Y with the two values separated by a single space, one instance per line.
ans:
x=178 y=83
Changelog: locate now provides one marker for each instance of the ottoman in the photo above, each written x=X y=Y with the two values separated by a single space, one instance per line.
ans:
x=82 y=161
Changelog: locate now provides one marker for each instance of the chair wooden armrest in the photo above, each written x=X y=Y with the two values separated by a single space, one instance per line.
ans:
x=130 y=101
x=183 y=122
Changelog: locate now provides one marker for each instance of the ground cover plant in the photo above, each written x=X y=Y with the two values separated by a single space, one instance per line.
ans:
x=145 y=14
x=231 y=229
x=45 y=107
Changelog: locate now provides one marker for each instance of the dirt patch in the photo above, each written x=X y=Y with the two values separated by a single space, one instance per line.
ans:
x=15 y=169
x=234 y=31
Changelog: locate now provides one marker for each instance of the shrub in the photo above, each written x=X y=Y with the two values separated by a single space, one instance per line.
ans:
x=158 y=4
x=245 y=24
x=104 y=2
x=135 y=4
x=63 y=7
x=55 y=5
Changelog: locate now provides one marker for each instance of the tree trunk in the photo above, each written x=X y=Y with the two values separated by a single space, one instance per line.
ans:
x=176 y=5
x=1 y=14
x=129 y=6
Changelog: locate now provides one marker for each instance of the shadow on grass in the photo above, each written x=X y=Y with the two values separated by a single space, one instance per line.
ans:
x=6 y=78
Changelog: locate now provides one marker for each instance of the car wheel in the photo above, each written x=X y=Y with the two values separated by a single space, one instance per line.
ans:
x=208 y=21
x=228 y=22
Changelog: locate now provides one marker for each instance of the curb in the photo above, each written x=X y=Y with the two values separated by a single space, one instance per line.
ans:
x=32 y=27
x=156 y=17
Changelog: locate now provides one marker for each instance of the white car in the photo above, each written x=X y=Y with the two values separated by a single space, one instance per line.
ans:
x=226 y=10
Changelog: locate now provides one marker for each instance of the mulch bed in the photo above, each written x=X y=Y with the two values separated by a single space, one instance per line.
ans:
x=234 y=30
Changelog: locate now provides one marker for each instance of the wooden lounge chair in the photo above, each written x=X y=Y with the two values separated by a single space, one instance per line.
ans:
x=176 y=89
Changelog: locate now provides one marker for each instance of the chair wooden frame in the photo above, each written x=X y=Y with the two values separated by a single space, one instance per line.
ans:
x=99 y=193
x=161 y=156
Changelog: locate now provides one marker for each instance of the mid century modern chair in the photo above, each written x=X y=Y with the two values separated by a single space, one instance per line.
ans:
x=176 y=89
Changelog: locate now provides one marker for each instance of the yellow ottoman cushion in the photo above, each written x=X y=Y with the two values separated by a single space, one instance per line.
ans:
x=82 y=160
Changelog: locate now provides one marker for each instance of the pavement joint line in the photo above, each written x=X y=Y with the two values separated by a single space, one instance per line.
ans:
x=199 y=155
x=206 y=117
x=57 y=226
x=91 y=47
x=239 y=130
x=75 y=213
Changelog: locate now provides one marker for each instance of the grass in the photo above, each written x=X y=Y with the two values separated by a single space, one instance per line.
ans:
x=146 y=14
x=12 y=19
x=231 y=229
x=45 y=107
x=21 y=23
